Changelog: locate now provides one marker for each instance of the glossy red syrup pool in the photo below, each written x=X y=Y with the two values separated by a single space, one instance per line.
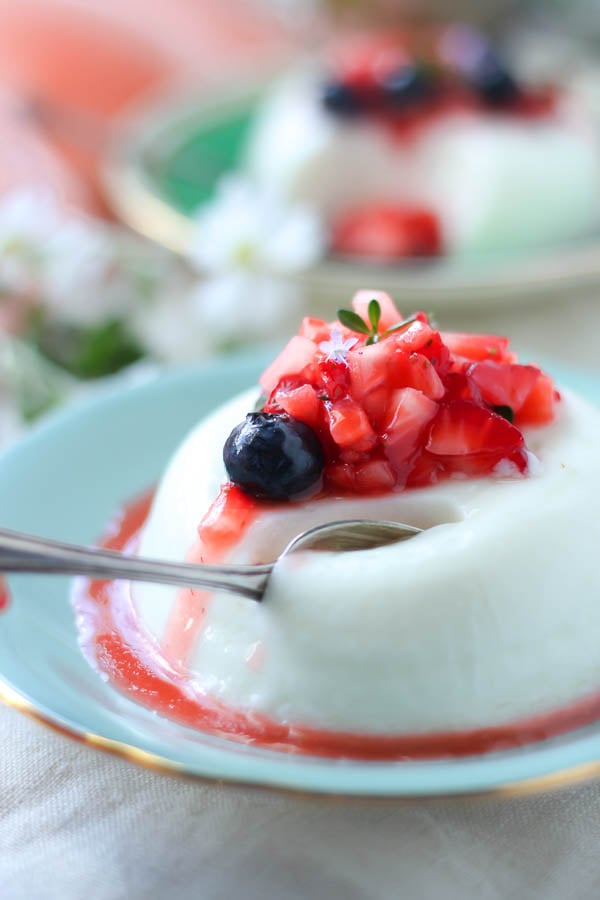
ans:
x=134 y=665
x=4 y=595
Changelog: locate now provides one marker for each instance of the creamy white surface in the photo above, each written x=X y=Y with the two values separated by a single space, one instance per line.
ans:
x=496 y=182
x=489 y=617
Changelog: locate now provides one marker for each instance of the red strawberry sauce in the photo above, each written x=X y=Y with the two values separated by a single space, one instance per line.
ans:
x=134 y=665
x=4 y=595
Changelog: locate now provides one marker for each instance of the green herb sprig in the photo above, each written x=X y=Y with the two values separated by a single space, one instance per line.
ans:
x=356 y=323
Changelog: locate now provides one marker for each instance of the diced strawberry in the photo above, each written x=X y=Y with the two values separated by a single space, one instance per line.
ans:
x=539 y=407
x=476 y=346
x=459 y=386
x=340 y=476
x=459 y=365
x=418 y=337
x=462 y=428
x=423 y=377
x=296 y=357
x=387 y=232
x=480 y=465
x=387 y=365
x=437 y=353
x=426 y=469
x=374 y=477
x=402 y=433
x=389 y=313
x=411 y=409
x=303 y=404
x=335 y=377
x=315 y=330
x=350 y=455
x=370 y=367
x=504 y=385
x=375 y=404
x=350 y=427
x=414 y=371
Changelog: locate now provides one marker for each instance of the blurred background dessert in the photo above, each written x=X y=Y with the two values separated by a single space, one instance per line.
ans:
x=425 y=142
x=479 y=156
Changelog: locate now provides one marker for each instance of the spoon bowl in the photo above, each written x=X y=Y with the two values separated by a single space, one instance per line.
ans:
x=28 y=553
x=351 y=534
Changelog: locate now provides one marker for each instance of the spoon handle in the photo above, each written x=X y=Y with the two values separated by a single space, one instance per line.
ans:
x=27 y=553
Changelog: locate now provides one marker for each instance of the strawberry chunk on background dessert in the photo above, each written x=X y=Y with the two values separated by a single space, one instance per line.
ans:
x=387 y=232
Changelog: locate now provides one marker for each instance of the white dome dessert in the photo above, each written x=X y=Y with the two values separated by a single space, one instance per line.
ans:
x=482 y=625
x=489 y=616
x=497 y=182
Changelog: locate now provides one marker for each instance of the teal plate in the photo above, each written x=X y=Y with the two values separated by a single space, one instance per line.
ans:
x=65 y=480
x=166 y=158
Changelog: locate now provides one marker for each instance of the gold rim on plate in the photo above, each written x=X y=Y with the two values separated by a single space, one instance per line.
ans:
x=540 y=784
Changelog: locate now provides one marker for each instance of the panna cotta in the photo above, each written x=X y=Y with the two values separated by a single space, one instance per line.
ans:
x=435 y=149
x=479 y=630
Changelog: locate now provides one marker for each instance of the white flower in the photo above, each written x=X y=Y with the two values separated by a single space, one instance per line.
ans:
x=95 y=273
x=218 y=313
x=336 y=348
x=246 y=228
x=29 y=218
x=28 y=214
x=170 y=329
x=239 y=307
x=82 y=271
x=76 y=288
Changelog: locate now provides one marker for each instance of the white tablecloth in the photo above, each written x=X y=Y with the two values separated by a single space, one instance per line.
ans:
x=75 y=823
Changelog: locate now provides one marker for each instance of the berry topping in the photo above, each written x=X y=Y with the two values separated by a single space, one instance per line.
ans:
x=341 y=99
x=407 y=86
x=463 y=428
x=491 y=80
x=273 y=456
x=461 y=70
x=375 y=402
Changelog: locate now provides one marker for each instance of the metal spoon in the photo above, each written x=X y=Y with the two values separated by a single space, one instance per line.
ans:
x=27 y=553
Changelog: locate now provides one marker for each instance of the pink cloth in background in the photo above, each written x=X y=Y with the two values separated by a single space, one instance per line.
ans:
x=91 y=59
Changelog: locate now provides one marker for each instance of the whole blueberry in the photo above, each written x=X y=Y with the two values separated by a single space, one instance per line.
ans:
x=341 y=100
x=491 y=79
x=273 y=456
x=407 y=86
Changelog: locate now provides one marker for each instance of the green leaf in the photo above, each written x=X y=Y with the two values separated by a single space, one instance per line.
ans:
x=399 y=326
x=106 y=349
x=353 y=321
x=89 y=352
x=374 y=313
